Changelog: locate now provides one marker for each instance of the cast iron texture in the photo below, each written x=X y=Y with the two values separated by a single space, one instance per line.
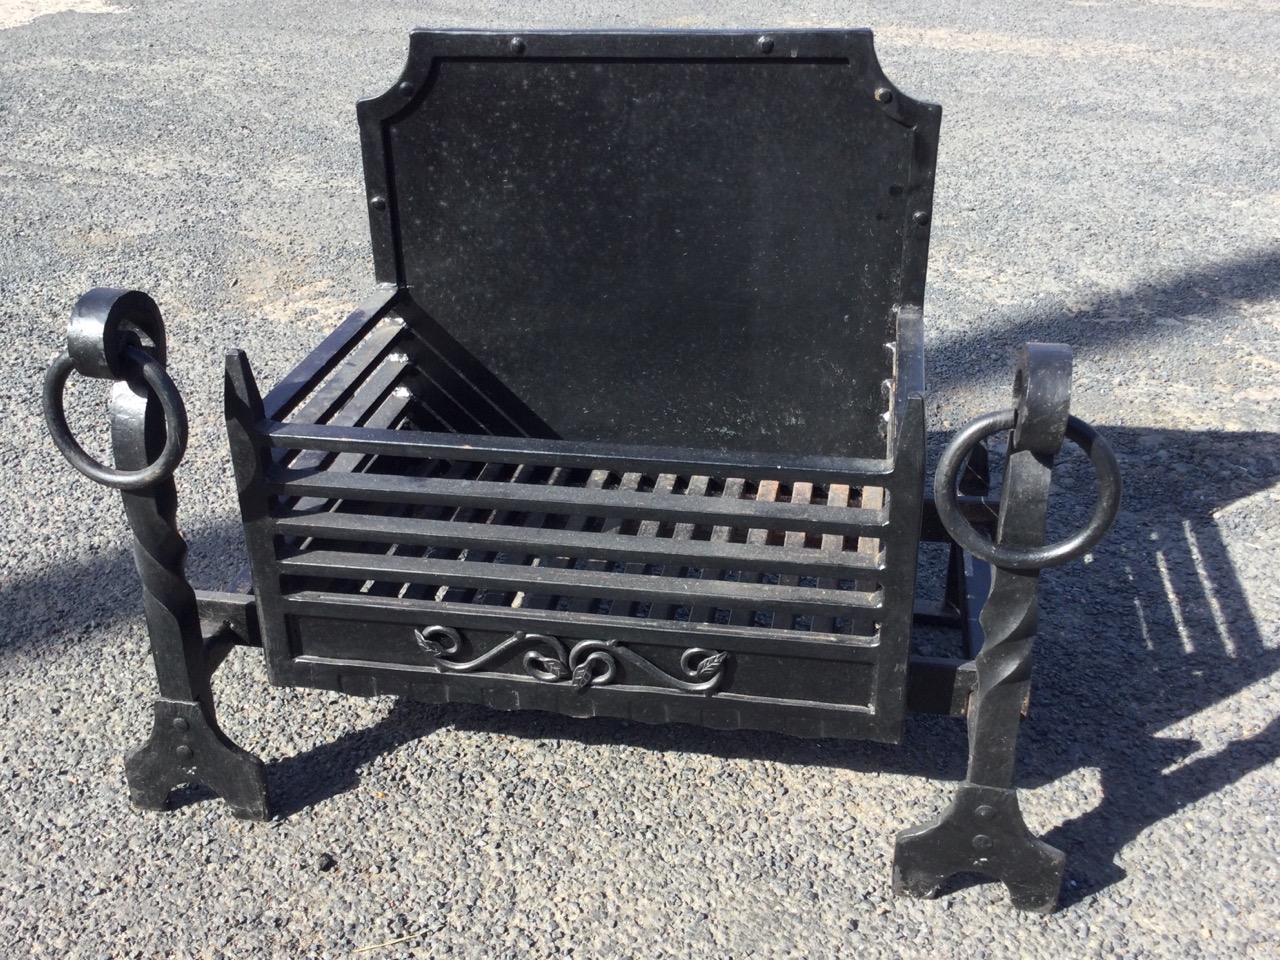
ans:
x=983 y=831
x=638 y=431
x=635 y=427
x=119 y=335
x=659 y=237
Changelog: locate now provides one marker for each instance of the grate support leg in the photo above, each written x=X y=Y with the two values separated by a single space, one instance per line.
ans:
x=119 y=336
x=983 y=830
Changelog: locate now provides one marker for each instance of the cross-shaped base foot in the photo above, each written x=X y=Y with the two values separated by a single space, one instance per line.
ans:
x=186 y=746
x=981 y=832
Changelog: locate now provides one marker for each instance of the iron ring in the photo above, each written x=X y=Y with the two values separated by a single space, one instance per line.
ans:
x=1013 y=558
x=175 y=421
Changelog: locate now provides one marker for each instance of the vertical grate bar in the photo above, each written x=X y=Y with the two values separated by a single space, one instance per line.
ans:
x=837 y=496
x=612 y=525
x=719 y=534
x=801 y=492
x=766 y=492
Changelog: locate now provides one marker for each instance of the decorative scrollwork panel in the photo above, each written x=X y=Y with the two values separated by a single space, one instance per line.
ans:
x=588 y=663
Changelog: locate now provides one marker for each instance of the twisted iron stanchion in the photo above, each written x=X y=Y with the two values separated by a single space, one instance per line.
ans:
x=983 y=830
x=119 y=336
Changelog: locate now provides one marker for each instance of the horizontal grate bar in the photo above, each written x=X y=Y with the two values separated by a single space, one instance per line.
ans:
x=573 y=582
x=617 y=458
x=854 y=647
x=720 y=555
x=578 y=501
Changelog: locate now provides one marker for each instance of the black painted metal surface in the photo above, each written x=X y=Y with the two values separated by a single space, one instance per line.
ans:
x=534 y=556
x=683 y=227
x=983 y=831
x=635 y=428
x=119 y=335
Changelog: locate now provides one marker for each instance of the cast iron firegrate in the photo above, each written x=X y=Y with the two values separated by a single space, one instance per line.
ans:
x=772 y=552
x=701 y=257
x=792 y=556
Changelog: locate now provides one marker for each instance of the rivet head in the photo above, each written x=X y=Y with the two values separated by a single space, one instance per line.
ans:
x=982 y=842
x=406 y=89
x=921 y=217
x=517 y=45
x=180 y=724
x=184 y=752
x=765 y=44
x=378 y=203
x=884 y=95
x=986 y=812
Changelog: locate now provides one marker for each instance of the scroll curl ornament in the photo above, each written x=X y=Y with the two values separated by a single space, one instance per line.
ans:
x=589 y=663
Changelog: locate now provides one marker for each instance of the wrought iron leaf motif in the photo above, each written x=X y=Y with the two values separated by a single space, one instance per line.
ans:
x=438 y=641
x=590 y=663
x=556 y=669
x=709 y=667
x=430 y=647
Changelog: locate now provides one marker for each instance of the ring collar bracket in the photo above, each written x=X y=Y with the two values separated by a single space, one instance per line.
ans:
x=105 y=323
x=1039 y=408
x=1041 y=398
x=118 y=335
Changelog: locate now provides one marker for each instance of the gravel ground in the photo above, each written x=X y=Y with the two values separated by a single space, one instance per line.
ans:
x=1109 y=176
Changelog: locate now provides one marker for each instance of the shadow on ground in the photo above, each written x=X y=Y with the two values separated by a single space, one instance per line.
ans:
x=1156 y=629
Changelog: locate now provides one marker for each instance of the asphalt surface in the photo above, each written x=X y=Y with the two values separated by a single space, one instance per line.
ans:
x=1109 y=176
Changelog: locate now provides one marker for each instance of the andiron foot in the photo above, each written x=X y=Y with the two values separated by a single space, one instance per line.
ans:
x=981 y=832
x=186 y=746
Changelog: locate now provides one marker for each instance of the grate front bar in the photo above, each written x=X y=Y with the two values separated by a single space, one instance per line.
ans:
x=800 y=556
